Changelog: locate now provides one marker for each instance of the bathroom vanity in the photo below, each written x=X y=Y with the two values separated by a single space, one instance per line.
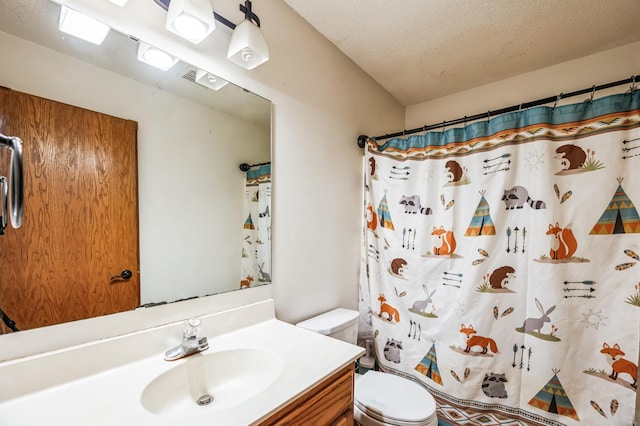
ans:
x=257 y=371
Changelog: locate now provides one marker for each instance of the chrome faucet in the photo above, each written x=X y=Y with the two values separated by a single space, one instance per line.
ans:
x=191 y=343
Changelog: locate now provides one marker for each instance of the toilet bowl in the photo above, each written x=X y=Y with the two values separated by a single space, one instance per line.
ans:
x=380 y=399
x=388 y=399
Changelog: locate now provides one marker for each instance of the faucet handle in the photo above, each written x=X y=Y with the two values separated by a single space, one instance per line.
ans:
x=191 y=328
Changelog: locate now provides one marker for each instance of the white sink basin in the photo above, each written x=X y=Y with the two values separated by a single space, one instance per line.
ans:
x=229 y=377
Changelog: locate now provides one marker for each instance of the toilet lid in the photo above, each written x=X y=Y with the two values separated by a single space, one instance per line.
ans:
x=390 y=397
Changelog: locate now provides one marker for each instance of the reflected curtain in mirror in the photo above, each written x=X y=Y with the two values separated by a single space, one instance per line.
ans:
x=256 y=244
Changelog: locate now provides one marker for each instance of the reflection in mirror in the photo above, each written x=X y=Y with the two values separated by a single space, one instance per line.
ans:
x=127 y=168
x=256 y=250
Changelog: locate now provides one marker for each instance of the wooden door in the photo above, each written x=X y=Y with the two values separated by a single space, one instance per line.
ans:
x=81 y=214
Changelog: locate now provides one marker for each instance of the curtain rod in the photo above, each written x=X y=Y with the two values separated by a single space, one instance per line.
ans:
x=362 y=139
x=245 y=167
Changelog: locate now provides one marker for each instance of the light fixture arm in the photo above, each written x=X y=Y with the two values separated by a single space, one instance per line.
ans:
x=224 y=20
x=248 y=13
x=245 y=8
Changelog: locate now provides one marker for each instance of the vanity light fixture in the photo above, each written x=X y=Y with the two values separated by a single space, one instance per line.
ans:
x=247 y=47
x=192 y=20
x=82 y=26
x=155 y=57
x=209 y=80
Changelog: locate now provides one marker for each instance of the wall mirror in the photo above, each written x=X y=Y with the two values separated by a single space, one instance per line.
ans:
x=200 y=218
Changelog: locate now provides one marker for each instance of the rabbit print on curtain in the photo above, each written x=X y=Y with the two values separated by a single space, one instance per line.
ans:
x=256 y=244
x=500 y=263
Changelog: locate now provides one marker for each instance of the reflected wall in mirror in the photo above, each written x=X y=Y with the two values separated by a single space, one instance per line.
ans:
x=190 y=140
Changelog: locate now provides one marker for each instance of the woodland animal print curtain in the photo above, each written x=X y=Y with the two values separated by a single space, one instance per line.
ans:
x=500 y=263
x=256 y=244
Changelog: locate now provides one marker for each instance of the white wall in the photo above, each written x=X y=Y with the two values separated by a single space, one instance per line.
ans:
x=322 y=103
x=600 y=68
x=190 y=189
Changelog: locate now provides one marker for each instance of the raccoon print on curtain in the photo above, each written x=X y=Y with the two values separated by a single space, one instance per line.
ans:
x=500 y=262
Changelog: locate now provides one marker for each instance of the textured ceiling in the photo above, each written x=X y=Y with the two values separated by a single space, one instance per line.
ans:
x=424 y=49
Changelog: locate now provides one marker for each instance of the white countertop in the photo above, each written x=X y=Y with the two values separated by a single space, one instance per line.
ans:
x=111 y=396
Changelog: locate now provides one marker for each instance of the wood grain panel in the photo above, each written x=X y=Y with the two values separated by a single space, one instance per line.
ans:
x=81 y=213
x=329 y=403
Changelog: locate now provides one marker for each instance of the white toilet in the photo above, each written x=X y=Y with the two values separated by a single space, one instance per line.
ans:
x=380 y=398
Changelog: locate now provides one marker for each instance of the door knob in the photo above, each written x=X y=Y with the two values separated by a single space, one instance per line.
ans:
x=124 y=275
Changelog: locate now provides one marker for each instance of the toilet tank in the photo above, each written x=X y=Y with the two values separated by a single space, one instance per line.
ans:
x=340 y=324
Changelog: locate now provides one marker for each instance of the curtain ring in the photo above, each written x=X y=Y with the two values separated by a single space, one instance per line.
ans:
x=558 y=98
x=488 y=115
x=593 y=92
x=633 y=87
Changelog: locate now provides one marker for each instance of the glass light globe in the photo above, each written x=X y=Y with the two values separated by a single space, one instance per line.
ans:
x=190 y=27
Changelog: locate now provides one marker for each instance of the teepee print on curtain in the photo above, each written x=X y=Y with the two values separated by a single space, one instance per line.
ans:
x=513 y=252
x=620 y=216
x=428 y=366
x=481 y=224
x=553 y=399
x=384 y=214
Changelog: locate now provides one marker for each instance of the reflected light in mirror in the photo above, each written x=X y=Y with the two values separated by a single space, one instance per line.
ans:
x=155 y=57
x=119 y=2
x=209 y=80
x=82 y=26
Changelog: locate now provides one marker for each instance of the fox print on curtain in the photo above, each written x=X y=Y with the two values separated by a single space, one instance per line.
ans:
x=500 y=263
x=256 y=244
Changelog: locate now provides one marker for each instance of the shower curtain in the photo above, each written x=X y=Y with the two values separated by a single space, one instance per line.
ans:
x=256 y=243
x=500 y=264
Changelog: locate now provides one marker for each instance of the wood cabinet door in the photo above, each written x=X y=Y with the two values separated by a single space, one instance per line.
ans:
x=328 y=404
x=80 y=224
